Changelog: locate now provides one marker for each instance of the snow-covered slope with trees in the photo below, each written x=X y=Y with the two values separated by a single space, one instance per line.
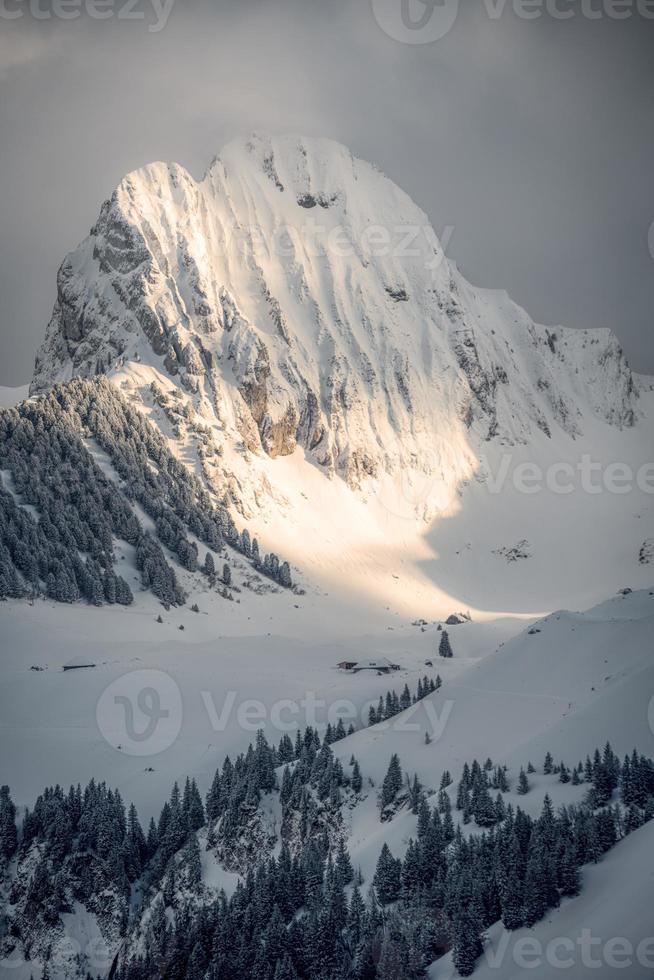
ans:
x=604 y=932
x=554 y=688
x=79 y=470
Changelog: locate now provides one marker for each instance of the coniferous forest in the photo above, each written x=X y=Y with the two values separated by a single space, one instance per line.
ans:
x=55 y=451
x=301 y=909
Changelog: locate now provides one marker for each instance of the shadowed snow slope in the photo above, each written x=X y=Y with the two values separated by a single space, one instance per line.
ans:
x=607 y=931
x=583 y=679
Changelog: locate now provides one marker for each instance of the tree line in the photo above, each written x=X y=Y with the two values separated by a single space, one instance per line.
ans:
x=391 y=705
x=299 y=910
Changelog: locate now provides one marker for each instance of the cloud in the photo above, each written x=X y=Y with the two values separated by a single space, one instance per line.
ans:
x=25 y=46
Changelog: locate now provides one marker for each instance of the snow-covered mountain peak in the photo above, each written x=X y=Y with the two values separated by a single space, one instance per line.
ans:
x=291 y=324
x=305 y=298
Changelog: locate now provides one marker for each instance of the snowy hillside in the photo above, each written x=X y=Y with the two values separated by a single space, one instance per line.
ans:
x=563 y=685
x=296 y=308
x=507 y=693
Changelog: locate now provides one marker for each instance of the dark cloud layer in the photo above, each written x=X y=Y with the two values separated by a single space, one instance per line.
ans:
x=533 y=139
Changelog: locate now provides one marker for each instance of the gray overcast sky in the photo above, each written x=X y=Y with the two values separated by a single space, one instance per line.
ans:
x=534 y=139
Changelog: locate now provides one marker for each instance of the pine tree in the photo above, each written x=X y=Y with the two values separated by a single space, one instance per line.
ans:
x=391 y=785
x=285 y=752
x=445 y=647
x=500 y=781
x=569 y=877
x=357 y=781
x=344 y=865
x=152 y=838
x=633 y=819
x=356 y=917
x=411 y=871
x=192 y=808
x=535 y=904
x=213 y=801
x=612 y=767
x=8 y=833
x=463 y=792
x=512 y=897
x=192 y=860
x=523 y=783
x=135 y=846
x=415 y=794
x=387 y=877
x=467 y=946
x=483 y=808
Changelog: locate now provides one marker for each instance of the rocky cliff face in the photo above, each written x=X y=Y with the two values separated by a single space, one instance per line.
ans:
x=300 y=299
